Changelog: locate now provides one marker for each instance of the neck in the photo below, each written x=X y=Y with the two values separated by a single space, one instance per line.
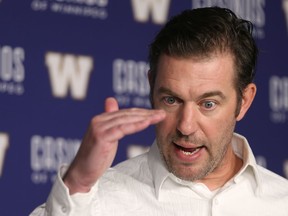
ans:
x=230 y=165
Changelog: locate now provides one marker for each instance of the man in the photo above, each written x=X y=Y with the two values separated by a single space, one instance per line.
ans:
x=201 y=78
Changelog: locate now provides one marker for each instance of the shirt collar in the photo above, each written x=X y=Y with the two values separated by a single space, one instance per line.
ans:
x=240 y=147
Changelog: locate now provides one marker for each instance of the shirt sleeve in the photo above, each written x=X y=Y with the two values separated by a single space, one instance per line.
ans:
x=61 y=203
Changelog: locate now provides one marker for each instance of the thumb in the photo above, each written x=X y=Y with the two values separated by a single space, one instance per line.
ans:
x=111 y=105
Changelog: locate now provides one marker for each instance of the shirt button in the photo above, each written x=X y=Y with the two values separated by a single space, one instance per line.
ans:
x=64 y=209
x=216 y=201
x=178 y=180
x=237 y=179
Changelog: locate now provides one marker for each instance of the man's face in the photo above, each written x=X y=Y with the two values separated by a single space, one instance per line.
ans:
x=199 y=98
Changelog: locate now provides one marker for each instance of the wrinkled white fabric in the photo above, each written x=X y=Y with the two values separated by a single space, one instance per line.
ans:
x=143 y=186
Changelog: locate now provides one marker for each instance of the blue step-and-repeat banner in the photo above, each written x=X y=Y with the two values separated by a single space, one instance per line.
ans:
x=59 y=60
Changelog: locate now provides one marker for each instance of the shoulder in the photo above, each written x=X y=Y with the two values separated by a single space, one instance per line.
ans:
x=132 y=170
x=132 y=165
x=272 y=183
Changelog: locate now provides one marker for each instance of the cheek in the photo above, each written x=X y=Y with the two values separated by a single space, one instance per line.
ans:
x=212 y=127
x=219 y=129
x=209 y=128
x=166 y=126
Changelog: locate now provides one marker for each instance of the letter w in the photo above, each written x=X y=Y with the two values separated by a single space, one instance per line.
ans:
x=158 y=8
x=69 y=71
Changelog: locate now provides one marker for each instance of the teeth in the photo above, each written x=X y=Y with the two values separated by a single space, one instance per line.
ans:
x=190 y=153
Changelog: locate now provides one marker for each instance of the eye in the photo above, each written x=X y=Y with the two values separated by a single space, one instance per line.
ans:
x=169 y=100
x=209 y=105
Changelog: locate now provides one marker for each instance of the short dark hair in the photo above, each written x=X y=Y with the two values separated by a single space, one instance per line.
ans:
x=203 y=31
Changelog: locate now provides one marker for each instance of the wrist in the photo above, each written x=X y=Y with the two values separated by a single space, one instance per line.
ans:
x=74 y=184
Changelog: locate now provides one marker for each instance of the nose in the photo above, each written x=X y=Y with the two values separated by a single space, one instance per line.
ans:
x=187 y=120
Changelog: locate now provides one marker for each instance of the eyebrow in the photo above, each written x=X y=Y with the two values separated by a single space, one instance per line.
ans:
x=212 y=94
x=163 y=90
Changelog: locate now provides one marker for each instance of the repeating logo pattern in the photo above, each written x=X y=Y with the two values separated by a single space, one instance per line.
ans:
x=158 y=10
x=253 y=10
x=69 y=71
x=278 y=97
x=96 y=9
x=65 y=86
x=130 y=82
x=48 y=154
x=12 y=70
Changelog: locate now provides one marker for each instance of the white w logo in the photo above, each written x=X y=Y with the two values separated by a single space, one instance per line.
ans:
x=69 y=71
x=158 y=9
x=4 y=143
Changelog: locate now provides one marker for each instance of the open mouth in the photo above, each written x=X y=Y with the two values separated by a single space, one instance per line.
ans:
x=189 y=151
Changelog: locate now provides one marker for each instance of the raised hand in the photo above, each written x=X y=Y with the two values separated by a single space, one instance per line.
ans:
x=99 y=146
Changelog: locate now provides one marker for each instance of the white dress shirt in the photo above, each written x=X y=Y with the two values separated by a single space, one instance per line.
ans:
x=143 y=186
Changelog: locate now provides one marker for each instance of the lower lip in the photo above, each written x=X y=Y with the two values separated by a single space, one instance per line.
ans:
x=187 y=157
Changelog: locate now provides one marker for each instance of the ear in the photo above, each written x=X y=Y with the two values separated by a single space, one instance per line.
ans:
x=247 y=99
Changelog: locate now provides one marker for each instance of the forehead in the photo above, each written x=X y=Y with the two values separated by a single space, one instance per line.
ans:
x=201 y=74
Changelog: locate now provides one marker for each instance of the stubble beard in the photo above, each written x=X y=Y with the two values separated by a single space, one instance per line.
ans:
x=187 y=171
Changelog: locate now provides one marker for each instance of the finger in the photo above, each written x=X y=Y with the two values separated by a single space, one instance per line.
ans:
x=132 y=116
x=111 y=105
x=132 y=126
x=123 y=113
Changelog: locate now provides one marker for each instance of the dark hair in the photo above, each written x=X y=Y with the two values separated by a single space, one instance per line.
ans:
x=202 y=32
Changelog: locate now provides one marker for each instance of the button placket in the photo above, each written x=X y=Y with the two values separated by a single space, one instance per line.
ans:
x=63 y=209
x=216 y=201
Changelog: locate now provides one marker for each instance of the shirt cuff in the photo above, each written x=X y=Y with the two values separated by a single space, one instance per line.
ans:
x=61 y=203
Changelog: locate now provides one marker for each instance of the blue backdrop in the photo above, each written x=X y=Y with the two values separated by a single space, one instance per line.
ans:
x=59 y=60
